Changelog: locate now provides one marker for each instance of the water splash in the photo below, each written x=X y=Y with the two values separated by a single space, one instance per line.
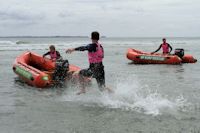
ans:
x=132 y=96
x=145 y=101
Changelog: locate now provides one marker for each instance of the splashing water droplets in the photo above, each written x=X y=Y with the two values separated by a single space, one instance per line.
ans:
x=133 y=96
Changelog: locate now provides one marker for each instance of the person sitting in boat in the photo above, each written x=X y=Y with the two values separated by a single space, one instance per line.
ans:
x=165 y=47
x=53 y=53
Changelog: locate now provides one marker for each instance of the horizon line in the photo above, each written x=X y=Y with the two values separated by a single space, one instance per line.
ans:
x=79 y=36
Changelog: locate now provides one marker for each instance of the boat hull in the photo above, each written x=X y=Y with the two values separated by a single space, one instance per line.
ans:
x=35 y=70
x=139 y=57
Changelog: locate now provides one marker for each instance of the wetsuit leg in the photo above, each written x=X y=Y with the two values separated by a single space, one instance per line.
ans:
x=86 y=72
x=96 y=71
x=100 y=77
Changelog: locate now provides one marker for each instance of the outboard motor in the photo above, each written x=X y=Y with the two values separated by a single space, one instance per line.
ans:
x=61 y=69
x=179 y=52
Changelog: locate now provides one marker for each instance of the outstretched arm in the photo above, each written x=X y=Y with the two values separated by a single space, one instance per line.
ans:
x=82 y=48
x=89 y=47
x=70 y=50
x=157 y=49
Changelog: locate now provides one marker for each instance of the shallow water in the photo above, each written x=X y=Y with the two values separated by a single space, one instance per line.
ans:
x=147 y=98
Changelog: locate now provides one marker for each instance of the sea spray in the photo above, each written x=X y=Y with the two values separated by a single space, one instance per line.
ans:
x=130 y=95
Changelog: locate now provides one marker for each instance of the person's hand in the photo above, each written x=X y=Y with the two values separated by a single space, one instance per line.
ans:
x=70 y=50
x=53 y=60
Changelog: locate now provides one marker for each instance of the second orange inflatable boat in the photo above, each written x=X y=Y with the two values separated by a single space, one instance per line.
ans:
x=139 y=57
x=36 y=70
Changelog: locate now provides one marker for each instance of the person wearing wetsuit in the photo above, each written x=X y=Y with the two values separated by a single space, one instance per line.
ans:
x=95 y=57
x=165 y=47
x=53 y=53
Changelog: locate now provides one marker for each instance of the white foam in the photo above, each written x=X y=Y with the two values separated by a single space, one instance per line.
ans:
x=130 y=95
x=7 y=42
x=23 y=46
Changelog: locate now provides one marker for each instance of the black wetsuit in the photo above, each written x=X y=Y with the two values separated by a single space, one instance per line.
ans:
x=161 y=47
x=95 y=70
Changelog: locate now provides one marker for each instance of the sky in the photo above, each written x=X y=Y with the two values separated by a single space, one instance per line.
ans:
x=113 y=18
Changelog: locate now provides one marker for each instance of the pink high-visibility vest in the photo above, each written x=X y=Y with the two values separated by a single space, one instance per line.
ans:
x=96 y=57
x=165 y=48
x=53 y=55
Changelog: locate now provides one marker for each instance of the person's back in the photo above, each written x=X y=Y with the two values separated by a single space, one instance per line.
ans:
x=95 y=57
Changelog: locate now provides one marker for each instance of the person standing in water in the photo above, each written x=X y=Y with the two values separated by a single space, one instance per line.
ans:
x=96 y=67
x=53 y=53
x=165 y=47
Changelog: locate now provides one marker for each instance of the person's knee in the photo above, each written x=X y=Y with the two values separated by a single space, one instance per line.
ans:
x=76 y=73
x=86 y=73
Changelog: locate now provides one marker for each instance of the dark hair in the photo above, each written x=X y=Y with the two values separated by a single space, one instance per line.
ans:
x=164 y=39
x=52 y=47
x=95 y=35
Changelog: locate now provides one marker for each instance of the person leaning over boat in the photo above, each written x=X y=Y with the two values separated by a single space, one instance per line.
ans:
x=53 y=53
x=165 y=47
x=96 y=67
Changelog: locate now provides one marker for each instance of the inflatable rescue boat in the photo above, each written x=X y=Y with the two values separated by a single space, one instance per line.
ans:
x=36 y=70
x=139 y=57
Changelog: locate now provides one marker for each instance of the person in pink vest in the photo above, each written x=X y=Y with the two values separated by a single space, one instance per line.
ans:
x=95 y=58
x=165 y=47
x=53 y=53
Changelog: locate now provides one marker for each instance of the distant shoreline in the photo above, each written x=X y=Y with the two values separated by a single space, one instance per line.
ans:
x=44 y=37
x=88 y=37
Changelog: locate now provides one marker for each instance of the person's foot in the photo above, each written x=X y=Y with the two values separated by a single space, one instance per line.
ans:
x=80 y=92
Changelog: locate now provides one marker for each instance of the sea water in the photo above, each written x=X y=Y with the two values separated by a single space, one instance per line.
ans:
x=147 y=98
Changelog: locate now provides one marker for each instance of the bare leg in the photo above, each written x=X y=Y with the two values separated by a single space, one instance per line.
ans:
x=109 y=89
x=82 y=85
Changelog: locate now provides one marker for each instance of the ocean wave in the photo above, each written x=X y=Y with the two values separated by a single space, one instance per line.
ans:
x=22 y=42
x=7 y=42
x=25 y=46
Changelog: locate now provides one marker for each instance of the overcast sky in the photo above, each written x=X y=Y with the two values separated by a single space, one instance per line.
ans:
x=133 y=18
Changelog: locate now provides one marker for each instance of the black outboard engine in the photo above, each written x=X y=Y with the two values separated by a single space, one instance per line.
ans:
x=179 y=52
x=61 y=69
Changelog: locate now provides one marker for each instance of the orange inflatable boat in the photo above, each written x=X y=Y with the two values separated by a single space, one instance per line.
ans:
x=139 y=57
x=36 y=70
